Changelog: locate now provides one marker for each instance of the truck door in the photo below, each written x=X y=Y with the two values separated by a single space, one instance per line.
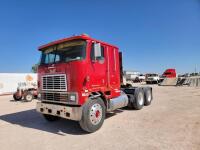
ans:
x=98 y=66
x=113 y=73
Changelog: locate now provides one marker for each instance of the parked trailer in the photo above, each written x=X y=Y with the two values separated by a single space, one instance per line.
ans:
x=80 y=78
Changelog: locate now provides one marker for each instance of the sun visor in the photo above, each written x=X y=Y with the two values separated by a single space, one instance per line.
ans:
x=63 y=45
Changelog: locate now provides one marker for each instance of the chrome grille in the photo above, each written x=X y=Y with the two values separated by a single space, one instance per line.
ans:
x=54 y=82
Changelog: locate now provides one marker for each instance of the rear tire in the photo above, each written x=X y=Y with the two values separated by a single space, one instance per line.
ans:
x=139 y=99
x=51 y=118
x=147 y=96
x=130 y=101
x=93 y=115
x=17 y=98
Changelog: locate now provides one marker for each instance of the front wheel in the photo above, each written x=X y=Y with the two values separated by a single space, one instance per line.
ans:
x=93 y=115
x=28 y=96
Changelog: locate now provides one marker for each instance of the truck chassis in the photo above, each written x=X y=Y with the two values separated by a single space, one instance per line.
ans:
x=92 y=114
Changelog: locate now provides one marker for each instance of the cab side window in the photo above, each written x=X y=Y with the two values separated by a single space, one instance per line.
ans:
x=101 y=55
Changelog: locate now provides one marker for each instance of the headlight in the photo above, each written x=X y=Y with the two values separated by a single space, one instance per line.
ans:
x=39 y=96
x=72 y=98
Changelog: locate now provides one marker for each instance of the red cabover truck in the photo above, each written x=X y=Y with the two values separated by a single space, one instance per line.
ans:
x=169 y=73
x=80 y=78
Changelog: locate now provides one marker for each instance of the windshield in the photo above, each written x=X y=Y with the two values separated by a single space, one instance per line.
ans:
x=152 y=75
x=167 y=73
x=64 y=52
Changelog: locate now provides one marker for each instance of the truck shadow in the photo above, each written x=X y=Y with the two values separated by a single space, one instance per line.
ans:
x=113 y=113
x=34 y=120
x=20 y=101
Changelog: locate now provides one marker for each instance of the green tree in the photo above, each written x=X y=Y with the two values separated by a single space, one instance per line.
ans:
x=194 y=74
x=34 y=68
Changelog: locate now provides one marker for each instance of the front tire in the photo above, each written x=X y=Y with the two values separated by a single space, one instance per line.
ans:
x=93 y=115
x=28 y=96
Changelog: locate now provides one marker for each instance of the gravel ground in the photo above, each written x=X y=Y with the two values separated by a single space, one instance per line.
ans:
x=171 y=122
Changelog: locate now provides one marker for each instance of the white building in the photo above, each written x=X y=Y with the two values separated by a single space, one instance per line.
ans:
x=10 y=81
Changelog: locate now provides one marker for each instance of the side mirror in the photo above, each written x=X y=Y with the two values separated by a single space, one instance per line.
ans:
x=97 y=53
x=97 y=50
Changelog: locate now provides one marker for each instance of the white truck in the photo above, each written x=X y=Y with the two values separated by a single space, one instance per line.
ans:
x=152 y=78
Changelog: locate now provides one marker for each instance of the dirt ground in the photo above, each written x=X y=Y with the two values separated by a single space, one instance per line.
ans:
x=171 y=122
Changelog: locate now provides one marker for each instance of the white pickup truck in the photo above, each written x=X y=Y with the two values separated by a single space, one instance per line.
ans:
x=152 y=78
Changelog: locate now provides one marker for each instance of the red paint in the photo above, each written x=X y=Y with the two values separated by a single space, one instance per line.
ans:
x=87 y=76
x=97 y=114
x=169 y=73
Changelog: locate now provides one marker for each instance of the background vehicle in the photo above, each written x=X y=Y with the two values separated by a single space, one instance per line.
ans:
x=169 y=73
x=141 y=77
x=132 y=76
x=80 y=78
x=25 y=91
x=152 y=78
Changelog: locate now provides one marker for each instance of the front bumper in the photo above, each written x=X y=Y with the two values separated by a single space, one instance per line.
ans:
x=72 y=113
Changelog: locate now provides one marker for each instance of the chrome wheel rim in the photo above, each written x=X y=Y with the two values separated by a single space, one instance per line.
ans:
x=140 y=99
x=95 y=114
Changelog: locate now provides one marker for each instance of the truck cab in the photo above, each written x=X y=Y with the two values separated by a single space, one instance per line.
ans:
x=152 y=78
x=169 y=73
x=79 y=79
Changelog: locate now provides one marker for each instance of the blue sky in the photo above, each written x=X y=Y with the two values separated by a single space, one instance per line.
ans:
x=153 y=34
